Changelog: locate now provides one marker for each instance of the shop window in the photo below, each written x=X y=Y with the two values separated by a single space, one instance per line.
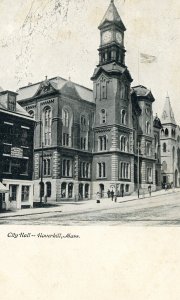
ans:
x=25 y=193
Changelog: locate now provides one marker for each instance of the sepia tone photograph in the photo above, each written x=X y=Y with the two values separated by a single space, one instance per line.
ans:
x=89 y=112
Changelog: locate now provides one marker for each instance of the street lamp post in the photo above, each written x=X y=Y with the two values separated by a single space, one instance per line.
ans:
x=138 y=171
x=41 y=182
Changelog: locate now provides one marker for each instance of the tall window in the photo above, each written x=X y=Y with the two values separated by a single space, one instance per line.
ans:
x=166 y=132
x=149 y=175
x=148 y=128
x=24 y=137
x=124 y=144
x=123 y=117
x=65 y=139
x=48 y=189
x=148 y=149
x=6 y=165
x=101 y=170
x=84 y=170
x=47 y=122
x=46 y=166
x=65 y=118
x=103 y=116
x=164 y=147
x=83 y=121
x=102 y=143
x=83 y=143
x=124 y=170
x=24 y=166
x=67 y=168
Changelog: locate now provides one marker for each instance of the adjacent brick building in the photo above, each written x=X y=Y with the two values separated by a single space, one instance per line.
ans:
x=16 y=153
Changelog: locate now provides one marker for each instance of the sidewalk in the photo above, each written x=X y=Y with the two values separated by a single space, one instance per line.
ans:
x=80 y=206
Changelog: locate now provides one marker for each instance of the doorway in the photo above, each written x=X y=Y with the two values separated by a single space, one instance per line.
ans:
x=101 y=190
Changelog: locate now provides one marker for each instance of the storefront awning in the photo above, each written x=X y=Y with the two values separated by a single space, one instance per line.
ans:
x=3 y=188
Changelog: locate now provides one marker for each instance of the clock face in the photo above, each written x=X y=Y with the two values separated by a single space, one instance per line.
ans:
x=119 y=37
x=106 y=37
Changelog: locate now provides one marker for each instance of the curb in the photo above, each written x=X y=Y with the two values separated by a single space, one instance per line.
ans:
x=82 y=211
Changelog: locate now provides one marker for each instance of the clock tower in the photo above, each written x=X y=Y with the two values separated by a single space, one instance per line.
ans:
x=113 y=160
x=112 y=37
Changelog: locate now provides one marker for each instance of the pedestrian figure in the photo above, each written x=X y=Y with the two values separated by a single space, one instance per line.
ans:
x=97 y=197
x=108 y=193
x=112 y=195
x=165 y=187
x=149 y=189
x=115 y=198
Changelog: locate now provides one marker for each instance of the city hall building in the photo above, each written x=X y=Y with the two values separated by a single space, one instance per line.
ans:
x=88 y=141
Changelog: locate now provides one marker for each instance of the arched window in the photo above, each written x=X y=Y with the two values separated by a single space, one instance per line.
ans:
x=48 y=189
x=65 y=117
x=123 y=117
x=47 y=122
x=83 y=120
x=164 y=147
x=173 y=153
x=67 y=120
x=148 y=128
x=103 y=116
x=124 y=144
x=70 y=190
x=63 y=190
x=102 y=142
x=166 y=132
x=162 y=132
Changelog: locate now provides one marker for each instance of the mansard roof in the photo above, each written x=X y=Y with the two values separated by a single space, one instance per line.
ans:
x=111 y=68
x=168 y=115
x=143 y=93
x=112 y=16
x=58 y=84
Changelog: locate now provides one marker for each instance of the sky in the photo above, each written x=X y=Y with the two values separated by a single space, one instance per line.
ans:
x=51 y=38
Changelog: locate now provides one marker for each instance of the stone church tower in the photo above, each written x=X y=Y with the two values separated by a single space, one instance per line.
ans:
x=170 y=150
x=113 y=160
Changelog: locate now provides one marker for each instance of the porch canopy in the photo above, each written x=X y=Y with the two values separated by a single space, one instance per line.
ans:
x=3 y=188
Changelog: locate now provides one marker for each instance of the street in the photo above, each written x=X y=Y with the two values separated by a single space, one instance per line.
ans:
x=162 y=210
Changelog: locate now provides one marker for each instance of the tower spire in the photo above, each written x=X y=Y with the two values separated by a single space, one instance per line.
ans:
x=168 y=115
x=112 y=16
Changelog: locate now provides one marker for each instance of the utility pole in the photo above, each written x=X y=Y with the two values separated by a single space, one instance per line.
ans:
x=41 y=182
x=138 y=171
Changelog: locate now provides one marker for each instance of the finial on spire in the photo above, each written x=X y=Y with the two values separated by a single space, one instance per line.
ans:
x=46 y=77
x=69 y=78
x=167 y=96
x=112 y=1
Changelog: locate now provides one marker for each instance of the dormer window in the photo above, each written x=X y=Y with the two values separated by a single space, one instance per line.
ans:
x=11 y=102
